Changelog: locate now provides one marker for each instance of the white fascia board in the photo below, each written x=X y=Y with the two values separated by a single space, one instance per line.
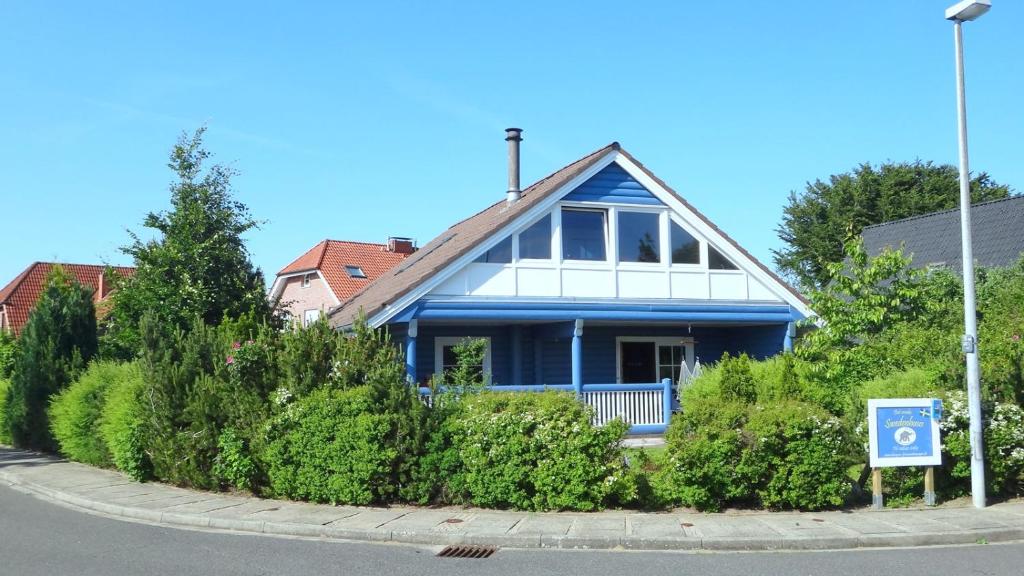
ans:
x=533 y=213
x=712 y=235
x=278 y=286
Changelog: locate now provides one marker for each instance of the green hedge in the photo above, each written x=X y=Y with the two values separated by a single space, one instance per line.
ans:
x=75 y=413
x=121 y=422
x=331 y=446
x=5 y=431
x=534 y=451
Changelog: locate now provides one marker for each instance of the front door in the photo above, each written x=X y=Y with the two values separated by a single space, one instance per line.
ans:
x=638 y=365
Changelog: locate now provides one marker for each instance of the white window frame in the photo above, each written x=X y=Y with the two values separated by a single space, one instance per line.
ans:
x=441 y=341
x=685 y=342
x=611 y=254
x=306 y=313
x=307 y=279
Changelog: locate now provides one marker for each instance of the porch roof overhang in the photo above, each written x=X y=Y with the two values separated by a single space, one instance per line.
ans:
x=549 y=310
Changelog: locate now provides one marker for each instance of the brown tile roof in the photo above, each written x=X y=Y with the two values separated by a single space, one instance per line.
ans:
x=463 y=236
x=331 y=256
x=453 y=243
x=20 y=295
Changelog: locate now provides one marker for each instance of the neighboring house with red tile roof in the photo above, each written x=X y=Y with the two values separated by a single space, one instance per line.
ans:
x=19 y=296
x=598 y=278
x=332 y=272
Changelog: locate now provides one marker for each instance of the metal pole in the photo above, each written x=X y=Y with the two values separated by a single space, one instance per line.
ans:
x=970 y=338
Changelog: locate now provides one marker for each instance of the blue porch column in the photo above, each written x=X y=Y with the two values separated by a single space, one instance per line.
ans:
x=517 y=354
x=787 y=342
x=577 y=357
x=410 y=350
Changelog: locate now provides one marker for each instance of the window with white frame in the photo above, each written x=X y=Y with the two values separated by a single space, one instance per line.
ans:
x=584 y=234
x=648 y=359
x=639 y=236
x=685 y=247
x=717 y=261
x=501 y=253
x=310 y=317
x=446 y=359
x=535 y=241
x=306 y=279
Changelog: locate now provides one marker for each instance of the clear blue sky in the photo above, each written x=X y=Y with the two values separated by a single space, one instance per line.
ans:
x=379 y=118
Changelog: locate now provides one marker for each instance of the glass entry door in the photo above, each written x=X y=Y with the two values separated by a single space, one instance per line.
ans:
x=647 y=360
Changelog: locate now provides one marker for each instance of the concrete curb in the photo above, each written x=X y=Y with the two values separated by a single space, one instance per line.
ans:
x=427 y=537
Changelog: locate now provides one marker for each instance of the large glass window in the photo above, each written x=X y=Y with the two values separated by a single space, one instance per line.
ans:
x=718 y=262
x=685 y=248
x=639 y=237
x=583 y=234
x=535 y=241
x=446 y=359
x=500 y=254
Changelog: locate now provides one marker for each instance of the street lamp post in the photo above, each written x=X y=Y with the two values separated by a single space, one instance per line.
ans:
x=959 y=13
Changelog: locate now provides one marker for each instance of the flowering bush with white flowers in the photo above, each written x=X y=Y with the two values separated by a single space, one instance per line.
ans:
x=535 y=451
x=1003 y=442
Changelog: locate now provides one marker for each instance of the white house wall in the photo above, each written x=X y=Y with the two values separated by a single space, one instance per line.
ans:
x=615 y=192
x=511 y=280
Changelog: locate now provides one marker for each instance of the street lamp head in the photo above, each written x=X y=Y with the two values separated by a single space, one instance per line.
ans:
x=967 y=10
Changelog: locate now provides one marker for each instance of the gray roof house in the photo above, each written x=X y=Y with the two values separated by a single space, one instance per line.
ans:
x=933 y=240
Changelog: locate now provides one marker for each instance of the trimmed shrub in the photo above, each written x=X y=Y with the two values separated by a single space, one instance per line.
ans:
x=534 y=452
x=121 y=422
x=799 y=455
x=5 y=432
x=75 y=413
x=331 y=446
x=784 y=454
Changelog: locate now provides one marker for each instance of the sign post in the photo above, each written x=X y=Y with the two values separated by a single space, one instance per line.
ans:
x=904 y=432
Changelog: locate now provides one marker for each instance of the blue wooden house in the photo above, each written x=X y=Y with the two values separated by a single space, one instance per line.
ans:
x=598 y=278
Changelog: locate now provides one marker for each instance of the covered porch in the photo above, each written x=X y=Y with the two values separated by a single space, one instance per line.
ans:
x=623 y=359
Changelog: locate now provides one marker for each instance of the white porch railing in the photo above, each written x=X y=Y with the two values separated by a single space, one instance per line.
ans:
x=645 y=407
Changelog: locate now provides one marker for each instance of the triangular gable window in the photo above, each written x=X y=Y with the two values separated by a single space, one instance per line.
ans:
x=718 y=262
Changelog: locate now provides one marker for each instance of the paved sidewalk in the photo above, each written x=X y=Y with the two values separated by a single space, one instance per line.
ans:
x=113 y=494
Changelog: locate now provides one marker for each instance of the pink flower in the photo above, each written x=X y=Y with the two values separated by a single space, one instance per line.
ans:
x=231 y=360
x=236 y=345
x=1016 y=338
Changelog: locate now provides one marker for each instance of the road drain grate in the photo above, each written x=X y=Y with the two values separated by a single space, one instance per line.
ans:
x=467 y=551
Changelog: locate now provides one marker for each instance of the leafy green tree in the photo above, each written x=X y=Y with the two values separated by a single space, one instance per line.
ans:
x=816 y=224
x=198 y=265
x=55 y=346
x=8 y=352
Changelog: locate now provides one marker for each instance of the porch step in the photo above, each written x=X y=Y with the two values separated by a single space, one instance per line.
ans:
x=644 y=441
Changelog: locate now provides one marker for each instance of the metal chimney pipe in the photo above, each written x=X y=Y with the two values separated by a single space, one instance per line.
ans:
x=513 y=136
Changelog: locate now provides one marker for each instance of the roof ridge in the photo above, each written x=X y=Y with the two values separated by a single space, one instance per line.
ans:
x=946 y=211
x=356 y=242
x=613 y=145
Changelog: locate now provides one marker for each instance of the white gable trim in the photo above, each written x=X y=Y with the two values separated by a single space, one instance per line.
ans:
x=278 y=287
x=714 y=237
x=529 y=216
x=692 y=220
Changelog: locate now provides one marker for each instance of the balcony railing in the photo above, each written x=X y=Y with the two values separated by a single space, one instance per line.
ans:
x=647 y=408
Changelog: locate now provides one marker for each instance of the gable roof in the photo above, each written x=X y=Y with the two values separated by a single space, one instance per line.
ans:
x=329 y=257
x=935 y=238
x=20 y=295
x=454 y=243
x=458 y=240
x=466 y=235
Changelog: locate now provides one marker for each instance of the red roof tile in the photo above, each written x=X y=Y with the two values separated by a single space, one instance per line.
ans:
x=331 y=256
x=19 y=296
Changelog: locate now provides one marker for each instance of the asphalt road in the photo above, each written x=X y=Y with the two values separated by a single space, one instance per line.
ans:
x=38 y=537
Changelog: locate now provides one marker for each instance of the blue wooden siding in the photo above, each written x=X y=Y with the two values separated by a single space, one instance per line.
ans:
x=613 y=184
x=599 y=354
